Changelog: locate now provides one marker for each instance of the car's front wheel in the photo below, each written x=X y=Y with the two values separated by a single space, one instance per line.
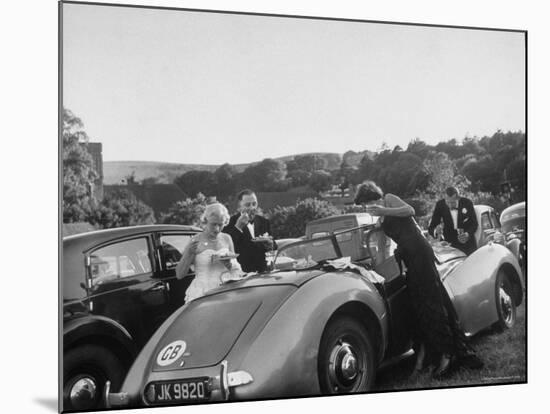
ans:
x=346 y=361
x=506 y=307
x=85 y=371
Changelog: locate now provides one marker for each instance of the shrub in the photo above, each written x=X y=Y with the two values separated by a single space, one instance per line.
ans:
x=121 y=208
x=291 y=221
x=187 y=211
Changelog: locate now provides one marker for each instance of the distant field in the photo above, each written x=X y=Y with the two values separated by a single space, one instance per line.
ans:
x=114 y=172
x=165 y=173
x=502 y=353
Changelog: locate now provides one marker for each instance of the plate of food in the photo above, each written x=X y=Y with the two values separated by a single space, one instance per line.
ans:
x=232 y=276
x=224 y=257
x=263 y=238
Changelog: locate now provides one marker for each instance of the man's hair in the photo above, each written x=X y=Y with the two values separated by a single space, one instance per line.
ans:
x=244 y=192
x=451 y=191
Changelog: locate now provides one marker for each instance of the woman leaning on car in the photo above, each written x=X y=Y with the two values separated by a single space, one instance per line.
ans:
x=436 y=332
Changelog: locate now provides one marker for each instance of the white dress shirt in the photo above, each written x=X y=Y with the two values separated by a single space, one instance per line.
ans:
x=251 y=229
x=454 y=214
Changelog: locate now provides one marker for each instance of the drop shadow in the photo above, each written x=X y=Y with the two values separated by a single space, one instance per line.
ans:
x=49 y=403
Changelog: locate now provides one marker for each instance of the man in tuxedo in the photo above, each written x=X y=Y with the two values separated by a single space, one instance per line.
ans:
x=244 y=227
x=459 y=221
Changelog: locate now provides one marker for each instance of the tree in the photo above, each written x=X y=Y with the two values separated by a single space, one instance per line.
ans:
x=121 y=208
x=267 y=175
x=404 y=176
x=419 y=148
x=302 y=167
x=320 y=180
x=78 y=173
x=187 y=211
x=483 y=172
x=291 y=221
x=298 y=177
x=442 y=174
x=348 y=172
x=195 y=181
x=367 y=169
x=225 y=180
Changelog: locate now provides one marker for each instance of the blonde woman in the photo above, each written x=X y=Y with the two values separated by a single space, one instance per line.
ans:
x=208 y=251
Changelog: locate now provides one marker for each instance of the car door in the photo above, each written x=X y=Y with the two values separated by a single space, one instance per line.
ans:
x=170 y=246
x=394 y=289
x=123 y=286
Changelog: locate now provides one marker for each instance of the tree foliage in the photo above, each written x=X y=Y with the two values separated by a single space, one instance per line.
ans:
x=121 y=208
x=291 y=221
x=267 y=175
x=187 y=211
x=195 y=181
x=225 y=180
x=78 y=173
x=320 y=180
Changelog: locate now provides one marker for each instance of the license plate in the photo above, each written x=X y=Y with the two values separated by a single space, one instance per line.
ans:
x=178 y=392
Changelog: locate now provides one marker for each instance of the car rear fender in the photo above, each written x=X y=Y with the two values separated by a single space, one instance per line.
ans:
x=100 y=331
x=471 y=286
x=283 y=357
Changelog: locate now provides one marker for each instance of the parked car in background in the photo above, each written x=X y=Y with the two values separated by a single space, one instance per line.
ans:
x=513 y=222
x=118 y=286
x=488 y=224
x=329 y=225
x=331 y=311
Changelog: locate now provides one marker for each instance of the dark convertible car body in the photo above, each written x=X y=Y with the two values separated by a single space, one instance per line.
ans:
x=118 y=286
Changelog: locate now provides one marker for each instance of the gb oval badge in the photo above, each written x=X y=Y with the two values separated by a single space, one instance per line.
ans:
x=171 y=353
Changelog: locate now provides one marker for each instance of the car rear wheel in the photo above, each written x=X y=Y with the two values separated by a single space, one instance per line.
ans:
x=506 y=307
x=85 y=371
x=346 y=361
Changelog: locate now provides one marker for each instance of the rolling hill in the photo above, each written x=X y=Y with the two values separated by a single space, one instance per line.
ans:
x=116 y=172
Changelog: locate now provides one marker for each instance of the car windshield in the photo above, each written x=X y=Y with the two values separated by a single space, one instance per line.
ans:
x=312 y=252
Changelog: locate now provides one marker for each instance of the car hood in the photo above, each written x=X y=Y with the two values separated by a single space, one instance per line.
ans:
x=296 y=278
x=207 y=329
x=444 y=253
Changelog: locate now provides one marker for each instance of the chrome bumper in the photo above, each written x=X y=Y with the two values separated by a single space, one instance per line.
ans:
x=221 y=383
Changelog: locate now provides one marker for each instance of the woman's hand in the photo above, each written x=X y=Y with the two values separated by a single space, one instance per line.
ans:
x=187 y=258
x=227 y=263
x=376 y=210
x=193 y=246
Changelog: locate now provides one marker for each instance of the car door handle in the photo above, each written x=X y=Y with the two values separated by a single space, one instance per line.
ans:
x=158 y=287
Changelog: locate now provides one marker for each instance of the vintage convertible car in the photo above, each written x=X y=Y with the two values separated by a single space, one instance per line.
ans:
x=331 y=311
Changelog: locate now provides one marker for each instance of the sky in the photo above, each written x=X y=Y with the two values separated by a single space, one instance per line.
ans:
x=196 y=87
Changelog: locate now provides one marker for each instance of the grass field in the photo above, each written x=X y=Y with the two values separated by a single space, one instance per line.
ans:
x=502 y=353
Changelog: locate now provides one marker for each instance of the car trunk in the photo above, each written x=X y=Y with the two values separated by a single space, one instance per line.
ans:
x=211 y=325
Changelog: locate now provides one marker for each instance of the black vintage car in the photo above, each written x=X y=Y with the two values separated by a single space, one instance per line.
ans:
x=118 y=286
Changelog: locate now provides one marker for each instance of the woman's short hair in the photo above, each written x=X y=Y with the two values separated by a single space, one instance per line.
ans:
x=217 y=209
x=367 y=191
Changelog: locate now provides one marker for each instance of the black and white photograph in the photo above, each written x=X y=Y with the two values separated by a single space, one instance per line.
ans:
x=262 y=206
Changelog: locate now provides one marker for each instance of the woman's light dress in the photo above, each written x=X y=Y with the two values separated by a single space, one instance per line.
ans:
x=208 y=273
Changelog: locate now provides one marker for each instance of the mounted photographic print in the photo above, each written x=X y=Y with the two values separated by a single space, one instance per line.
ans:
x=263 y=206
